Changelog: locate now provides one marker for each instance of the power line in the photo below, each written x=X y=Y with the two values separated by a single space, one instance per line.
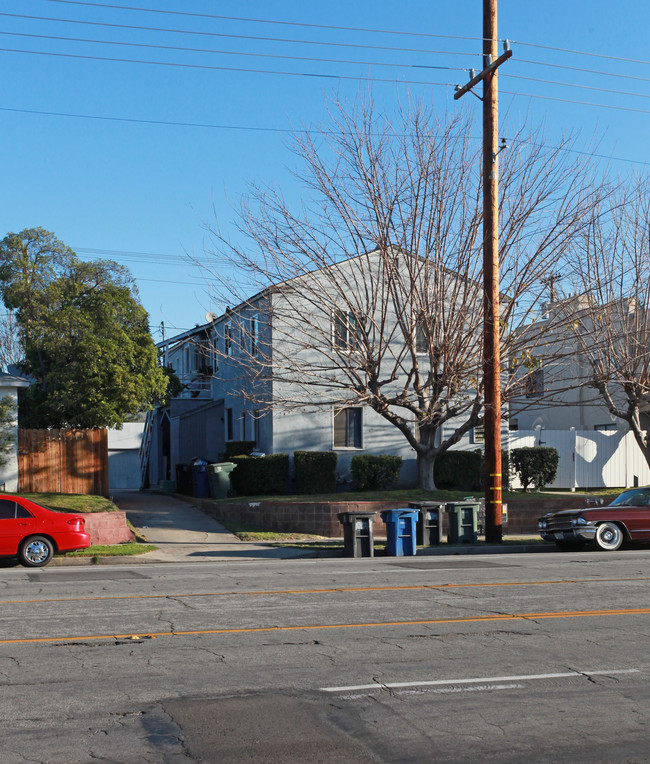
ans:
x=266 y=21
x=211 y=67
x=229 y=52
x=257 y=38
x=255 y=128
x=347 y=29
x=576 y=52
x=575 y=85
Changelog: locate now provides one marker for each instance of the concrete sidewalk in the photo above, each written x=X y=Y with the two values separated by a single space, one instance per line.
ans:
x=183 y=533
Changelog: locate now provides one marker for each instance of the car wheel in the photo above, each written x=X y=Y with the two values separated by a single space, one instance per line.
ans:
x=609 y=537
x=35 y=551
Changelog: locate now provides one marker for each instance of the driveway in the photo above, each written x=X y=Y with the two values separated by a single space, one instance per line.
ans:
x=183 y=533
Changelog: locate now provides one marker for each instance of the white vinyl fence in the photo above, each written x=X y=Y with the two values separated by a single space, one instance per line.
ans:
x=588 y=458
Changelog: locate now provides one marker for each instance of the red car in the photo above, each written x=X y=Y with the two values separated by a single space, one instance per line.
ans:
x=33 y=533
x=627 y=518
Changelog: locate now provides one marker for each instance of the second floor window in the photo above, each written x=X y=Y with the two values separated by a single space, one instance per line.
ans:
x=346 y=330
x=229 y=425
x=535 y=383
x=255 y=329
x=227 y=339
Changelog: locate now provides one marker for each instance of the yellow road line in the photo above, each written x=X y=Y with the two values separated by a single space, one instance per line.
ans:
x=330 y=590
x=313 y=627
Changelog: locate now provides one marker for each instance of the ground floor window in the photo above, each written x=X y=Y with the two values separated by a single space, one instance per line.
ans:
x=347 y=428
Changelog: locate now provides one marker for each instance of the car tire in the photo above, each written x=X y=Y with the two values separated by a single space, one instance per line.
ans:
x=35 y=552
x=609 y=537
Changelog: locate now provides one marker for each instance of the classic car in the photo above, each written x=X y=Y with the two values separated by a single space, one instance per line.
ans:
x=627 y=518
x=33 y=533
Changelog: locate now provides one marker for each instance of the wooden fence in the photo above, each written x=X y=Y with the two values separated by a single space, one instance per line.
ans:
x=63 y=461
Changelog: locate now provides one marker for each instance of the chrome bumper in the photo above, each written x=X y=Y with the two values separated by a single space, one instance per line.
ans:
x=580 y=534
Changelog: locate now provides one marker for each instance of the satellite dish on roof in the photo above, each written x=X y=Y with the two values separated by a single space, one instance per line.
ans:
x=210 y=316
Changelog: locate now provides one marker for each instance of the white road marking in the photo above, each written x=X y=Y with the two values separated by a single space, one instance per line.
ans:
x=476 y=680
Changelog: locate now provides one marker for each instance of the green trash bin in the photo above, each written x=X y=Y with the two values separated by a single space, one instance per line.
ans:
x=219 y=474
x=463 y=522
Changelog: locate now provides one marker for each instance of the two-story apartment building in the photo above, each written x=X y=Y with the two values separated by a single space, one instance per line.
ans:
x=309 y=363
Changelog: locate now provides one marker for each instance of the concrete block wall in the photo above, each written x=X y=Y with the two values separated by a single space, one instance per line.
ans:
x=320 y=518
x=107 y=527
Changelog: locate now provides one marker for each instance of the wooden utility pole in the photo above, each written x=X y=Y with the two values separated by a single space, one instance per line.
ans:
x=491 y=349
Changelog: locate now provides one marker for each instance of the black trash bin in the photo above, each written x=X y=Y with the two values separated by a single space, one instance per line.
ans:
x=358 y=538
x=200 y=479
x=184 y=479
x=429 y=527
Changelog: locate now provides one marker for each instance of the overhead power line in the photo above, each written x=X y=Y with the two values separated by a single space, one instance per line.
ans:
x=266 y=21
x=185 y=49
x=338 y=27
x=255 y=128
x=212 y=67
x=257 y=38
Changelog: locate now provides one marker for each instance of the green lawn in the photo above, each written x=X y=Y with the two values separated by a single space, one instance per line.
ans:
x=127 y=549
x=72 y=502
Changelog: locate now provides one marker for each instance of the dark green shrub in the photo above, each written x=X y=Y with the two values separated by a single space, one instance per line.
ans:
x=238 y=448
x=375 y=473
x=260 y=475
x=535 y=465
x=315 y=471
x=459 y=470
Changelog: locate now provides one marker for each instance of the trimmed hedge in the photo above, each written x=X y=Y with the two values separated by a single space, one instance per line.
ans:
x=315 y=471
x=535 y=465
x=375 y=473
x=260 y=475
x=238 y=448
x=459 y=470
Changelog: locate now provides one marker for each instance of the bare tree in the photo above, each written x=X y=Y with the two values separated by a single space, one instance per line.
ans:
x=372 y=281
x=608 y=320
x=11 y=351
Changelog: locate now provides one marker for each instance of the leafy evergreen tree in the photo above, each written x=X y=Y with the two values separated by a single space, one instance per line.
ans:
x=85 y=337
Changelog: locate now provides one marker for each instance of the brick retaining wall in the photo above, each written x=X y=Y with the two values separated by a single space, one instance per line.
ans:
x=320 y=518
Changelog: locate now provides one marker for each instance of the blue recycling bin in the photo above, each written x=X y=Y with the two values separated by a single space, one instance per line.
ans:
x=401 y=527
x=200 y=479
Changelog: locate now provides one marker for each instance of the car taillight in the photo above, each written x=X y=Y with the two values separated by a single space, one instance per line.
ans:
x=78 y=521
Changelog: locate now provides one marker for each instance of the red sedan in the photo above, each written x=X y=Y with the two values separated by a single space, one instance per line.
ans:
x=33 y=533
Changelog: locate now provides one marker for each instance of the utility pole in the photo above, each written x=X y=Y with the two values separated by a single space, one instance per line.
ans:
x=491 y=349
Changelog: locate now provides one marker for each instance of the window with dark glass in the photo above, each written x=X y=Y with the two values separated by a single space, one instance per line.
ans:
x=535 y=384
x=346 y=330
x=347 y=428
x=7 y=509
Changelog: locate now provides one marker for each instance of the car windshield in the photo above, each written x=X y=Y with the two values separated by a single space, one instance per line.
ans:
x=637 y=497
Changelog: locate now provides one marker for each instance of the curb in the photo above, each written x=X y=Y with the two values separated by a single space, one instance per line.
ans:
x=446 y=551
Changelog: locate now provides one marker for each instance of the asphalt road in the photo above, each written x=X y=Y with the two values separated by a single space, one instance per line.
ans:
x=506 y=658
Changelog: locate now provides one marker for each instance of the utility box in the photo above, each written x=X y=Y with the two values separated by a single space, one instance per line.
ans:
x=400 y=531
x=219 y=474
x=429 y=525
x=463 y=522
x=358 y=535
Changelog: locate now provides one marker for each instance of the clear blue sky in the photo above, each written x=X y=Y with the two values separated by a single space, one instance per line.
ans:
x=92 y=148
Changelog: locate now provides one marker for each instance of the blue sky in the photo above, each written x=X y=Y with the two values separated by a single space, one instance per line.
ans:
x=127 y=160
